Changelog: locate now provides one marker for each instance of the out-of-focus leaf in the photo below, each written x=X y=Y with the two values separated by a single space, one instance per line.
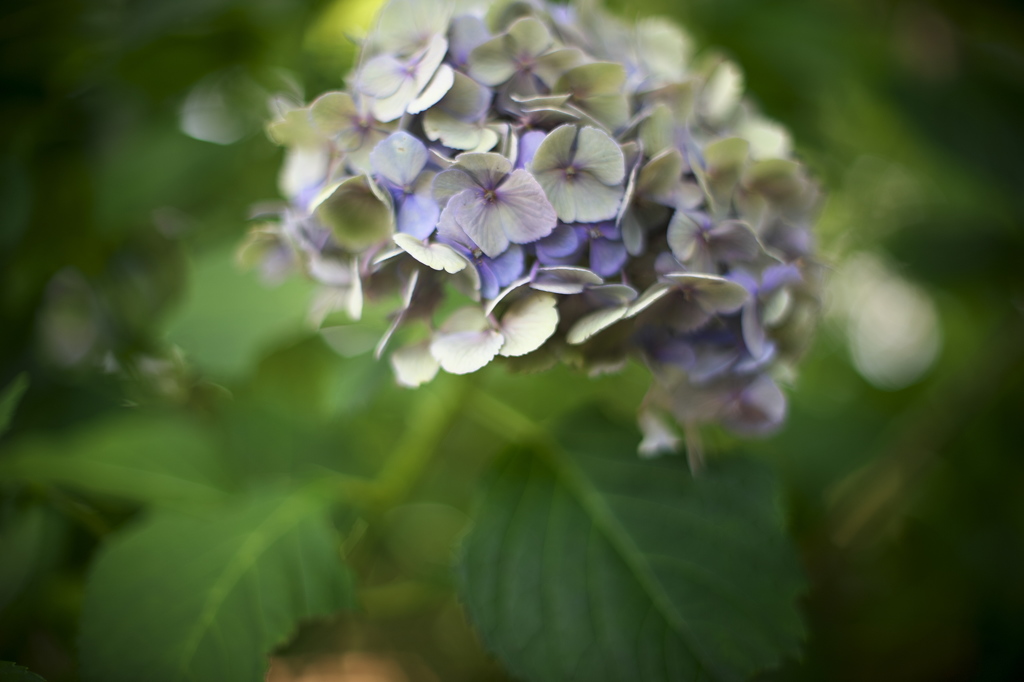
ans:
x=24 y=540
x=9 y=672
x=9 y=399
x=180 y=597
x=139 y=458
x=230 y=317
x=586 y=563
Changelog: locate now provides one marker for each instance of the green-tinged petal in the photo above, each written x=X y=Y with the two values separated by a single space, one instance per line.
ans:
x=611 y=110
x=465 y=352
x=722 y=92
x=382 y=76
x=404 y=25
x=778 y=180
x=295 y=129
x=684 y=236
x=392 y=108
x=734 y=240
x=555 y=153
x=452 y=132
x=663 y=49
x=466 y=100
x=613 y=294
x=582 y=199
x=595 y=322
x=435 y=256
x=653 y=294
x=715 y=294
x=725 y=159
x=399 y=158
x=430 y=60
x=435 y=90
x=333 y=112
x=486 y=169
x=451 y=182
x=414 y=365
x=528 y=323
x=466 y=319
x=553 y=65
x=657 y=131
x=659 y=179
x=491 y=63
x=596 y=78
x=564 y=279
x=598 y=154
x=356 y=215
x=768 y=140
x=530 y=35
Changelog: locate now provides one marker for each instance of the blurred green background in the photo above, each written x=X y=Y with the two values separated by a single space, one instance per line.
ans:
x=133 y=148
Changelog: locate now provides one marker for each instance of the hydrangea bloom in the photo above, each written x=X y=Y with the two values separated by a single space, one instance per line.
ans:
x=591 y=191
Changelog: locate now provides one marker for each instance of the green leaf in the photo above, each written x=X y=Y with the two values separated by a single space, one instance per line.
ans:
x=231 y=318
x=180 y=597
x=139 y=458
x=9 y=399
x=9 y=672
x=590 y=564
x=27 y=538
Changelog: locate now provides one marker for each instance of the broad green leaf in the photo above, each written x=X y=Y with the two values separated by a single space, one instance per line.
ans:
x=186 y=598
x=9 y=399
x=587 y=563
x=9 y=672
x=135 y=457
x=27 y=537
x=230 y=317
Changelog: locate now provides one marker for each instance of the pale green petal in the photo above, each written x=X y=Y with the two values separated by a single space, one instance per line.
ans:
x=435 y=90
x=414 y=365
x=595 y=322
x=663 y=49
x=653 y=294
x=657 y=131
x=392 y=108
x=436 y=256
x=531 y=36
x=713 y=293
x=452 y=132
x=356 y=215
x=405 y=25
x=552 y=66
x=660 y=178
x=467 y=99
x=555 y=153
x=583 y=199
x=451 y=182
x=466 y=352
x=382 y=76
x=684 y=236
x=564 y=279
x=486 y=169
x=528 y=323
x=722 y=92
x=599 y=155
x=596 y=78
x=332 y=112
x=491 y=63
x=612 y=109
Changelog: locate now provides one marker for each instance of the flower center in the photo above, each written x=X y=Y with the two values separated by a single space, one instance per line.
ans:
x=490 y=196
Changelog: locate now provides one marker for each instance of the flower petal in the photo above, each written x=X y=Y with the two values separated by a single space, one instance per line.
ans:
x=564 y=279
x=414 y=365
x=465 y=352
x=399 y=158
x=595 y=322
x=528 y=323
x=356 y=215
x=435 y=256
x=598 y=154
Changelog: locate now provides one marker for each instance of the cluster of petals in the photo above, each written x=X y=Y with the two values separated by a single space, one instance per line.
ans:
x=540 y=183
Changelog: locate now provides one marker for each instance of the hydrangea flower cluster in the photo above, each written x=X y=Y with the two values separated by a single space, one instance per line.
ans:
x=589 y=191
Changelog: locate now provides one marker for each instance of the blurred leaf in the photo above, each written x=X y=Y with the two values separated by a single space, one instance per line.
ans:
x=592 y=564
x=207 y=599
x=9 y=672
x=9 y=399
x=23 y=543
x=140 y=458
x=230 y=317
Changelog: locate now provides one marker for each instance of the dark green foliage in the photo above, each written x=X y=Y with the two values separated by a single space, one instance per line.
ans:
x=588 y=564
x=9 y=672
x=183 y=597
